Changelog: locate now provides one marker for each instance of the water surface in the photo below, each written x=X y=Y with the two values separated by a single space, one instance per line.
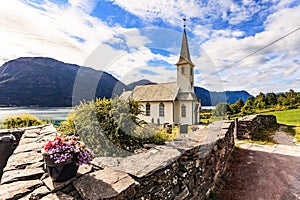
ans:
x=51 y=113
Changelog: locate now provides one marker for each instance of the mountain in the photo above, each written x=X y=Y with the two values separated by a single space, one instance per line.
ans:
x=131 y=86
x=37 y=81
x=204 y=95
x=207 y=98
x=228 y=96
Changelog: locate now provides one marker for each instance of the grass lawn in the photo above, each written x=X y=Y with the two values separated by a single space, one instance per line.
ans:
x=290 y=118
x=212 y=119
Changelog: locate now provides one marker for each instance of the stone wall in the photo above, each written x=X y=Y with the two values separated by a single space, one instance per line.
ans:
x=187 y=168
x=249 y=126
x=9 y=139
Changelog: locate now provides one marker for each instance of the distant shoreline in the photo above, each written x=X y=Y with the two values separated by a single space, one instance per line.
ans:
x=44 y=113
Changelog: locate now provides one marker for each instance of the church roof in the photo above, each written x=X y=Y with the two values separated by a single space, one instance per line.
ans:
x=126 y=95
x=186 y=96
x=155 y=92
x=184 y=52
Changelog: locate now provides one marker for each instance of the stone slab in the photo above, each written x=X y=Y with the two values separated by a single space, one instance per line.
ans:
x=84 y=169
x=39 y=192
x=28 y=147
x=18 y=189
x=49 y=129
x=142 y=164
x=55 y=186
x=57 y=196
x=22 y=160
x=103 y=184
x=22 y=174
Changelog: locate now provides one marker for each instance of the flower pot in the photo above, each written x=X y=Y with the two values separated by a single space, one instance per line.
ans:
x=60 y=172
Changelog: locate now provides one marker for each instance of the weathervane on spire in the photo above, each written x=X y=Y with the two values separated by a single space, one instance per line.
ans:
x=184 y=25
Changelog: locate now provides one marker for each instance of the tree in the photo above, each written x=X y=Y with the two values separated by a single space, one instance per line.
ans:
x=260 y=101
x=291 y=96
x=221 y=109
x=236 y=107
x=298 y=97
x=282 y=100
x=248 y=108
x=240 y=104
x=271 y=99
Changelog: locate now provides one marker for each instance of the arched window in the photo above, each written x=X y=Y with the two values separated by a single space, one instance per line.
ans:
x=182 y=70
x=148 y=109
x=161 y=110
x=183 y=110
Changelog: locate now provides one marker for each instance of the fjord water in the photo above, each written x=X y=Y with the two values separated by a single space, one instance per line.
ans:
x=49 y=113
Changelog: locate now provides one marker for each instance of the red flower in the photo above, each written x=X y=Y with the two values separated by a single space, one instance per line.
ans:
x=57 y=138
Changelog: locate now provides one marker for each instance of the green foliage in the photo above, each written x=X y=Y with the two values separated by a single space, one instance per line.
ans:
x=248 y=107
x=265 y=136
x=205 y=114
x=271 y=101
x=162 y=135
x=24 y=120
x=111 y=127
x=68 y=126
x=220 y=110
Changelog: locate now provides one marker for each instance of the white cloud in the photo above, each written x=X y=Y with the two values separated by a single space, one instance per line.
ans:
x=127 y=66
x=68 y=33
x=84 y=5
x=49 y=31
x=173 y=11
x=262 y=71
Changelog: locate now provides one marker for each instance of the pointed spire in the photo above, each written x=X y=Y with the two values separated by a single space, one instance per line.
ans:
x=185 y=53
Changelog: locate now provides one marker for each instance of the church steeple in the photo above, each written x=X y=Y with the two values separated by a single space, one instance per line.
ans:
x=184 y=52
x=185 y=67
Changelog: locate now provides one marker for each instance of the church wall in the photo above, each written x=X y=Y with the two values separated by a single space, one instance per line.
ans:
x=197 y=117
x=189 y=112
x=154 y=113
x=177 y=112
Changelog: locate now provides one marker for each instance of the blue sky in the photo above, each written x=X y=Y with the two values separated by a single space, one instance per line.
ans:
x=134 y=39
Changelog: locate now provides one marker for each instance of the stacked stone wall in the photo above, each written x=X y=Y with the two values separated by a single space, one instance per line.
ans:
x=187 y=168
x=249 y=126
x=9 y=139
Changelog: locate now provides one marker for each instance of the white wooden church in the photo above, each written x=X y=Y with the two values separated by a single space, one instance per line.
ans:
x=173 y=102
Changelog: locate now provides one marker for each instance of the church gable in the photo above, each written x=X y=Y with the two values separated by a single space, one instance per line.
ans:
x=155 y=92
x=186 y=96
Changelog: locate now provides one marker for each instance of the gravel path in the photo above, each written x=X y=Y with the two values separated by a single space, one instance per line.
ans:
x=281 y=137
x=264 y=172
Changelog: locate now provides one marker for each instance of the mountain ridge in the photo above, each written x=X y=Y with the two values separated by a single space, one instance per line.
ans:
x=43 y=81
x=208 y=98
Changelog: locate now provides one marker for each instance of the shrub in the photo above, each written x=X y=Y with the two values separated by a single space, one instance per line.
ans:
x=220 y=110
x=24 y=120
x=68 y=126
x=111 y=127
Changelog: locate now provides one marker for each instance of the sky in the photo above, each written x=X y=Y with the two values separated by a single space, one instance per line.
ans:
x=251 y=45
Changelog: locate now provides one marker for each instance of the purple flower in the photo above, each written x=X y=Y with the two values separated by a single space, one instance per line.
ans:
x=63 y=148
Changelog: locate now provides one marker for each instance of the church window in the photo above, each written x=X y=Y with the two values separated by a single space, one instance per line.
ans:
x=148 y=109
x=182 y=70
x=183 y=110
x=161 y=110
